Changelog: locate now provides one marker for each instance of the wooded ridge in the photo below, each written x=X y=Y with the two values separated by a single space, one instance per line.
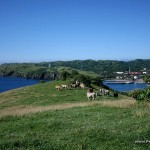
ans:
x=51 y=70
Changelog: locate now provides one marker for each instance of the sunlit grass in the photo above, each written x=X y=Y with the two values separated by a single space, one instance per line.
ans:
x=90 y=127
x=40 y=117
x=45 y=94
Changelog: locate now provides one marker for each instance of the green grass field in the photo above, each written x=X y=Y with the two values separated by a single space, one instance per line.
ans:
x=40 y=117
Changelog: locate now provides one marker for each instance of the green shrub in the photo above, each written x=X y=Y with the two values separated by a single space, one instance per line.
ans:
x=97 y=81
x=141 y=96
x=42 y=81
x=138 y=94
x=64 y=75
x=82 y=78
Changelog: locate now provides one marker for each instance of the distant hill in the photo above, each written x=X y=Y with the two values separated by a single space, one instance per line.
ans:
x=39 y=71
x=52 y=69
x=103 y=67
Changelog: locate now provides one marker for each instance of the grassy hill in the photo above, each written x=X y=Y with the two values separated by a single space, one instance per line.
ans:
x=40 y=117
x=39 y=71
x=104 y=68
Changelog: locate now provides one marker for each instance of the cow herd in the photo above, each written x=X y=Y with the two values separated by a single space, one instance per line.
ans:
x=90 y=93
x=70 y=86
x=93 y=95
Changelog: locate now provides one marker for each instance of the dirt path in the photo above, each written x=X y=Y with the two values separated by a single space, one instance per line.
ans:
x=23 y=110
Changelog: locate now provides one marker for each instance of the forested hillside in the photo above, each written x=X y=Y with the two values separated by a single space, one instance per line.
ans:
x=105 y=65
x=52 y=69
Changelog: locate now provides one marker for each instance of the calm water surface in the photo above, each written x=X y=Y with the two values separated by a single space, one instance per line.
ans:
x=127 y=87
x=9 y=83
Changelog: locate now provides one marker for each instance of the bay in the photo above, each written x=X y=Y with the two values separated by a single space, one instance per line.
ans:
x=9 y=83
x=126 y=87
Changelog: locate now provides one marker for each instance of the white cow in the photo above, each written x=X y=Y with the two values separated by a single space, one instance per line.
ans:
x=58 y=87
x=73 y=85
x=82 y=85
x=91 y=95
x=64 y=86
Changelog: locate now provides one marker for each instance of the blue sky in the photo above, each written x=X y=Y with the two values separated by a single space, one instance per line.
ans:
x=49 y=30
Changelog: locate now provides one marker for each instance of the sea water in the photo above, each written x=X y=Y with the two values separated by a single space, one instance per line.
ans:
x=9 y=83
x=126 y=87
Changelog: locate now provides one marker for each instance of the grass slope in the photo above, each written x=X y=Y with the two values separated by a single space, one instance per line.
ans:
x=106 y=124
x=94 y=127
x=44 y=94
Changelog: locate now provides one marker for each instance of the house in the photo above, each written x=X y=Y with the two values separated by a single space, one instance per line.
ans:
x=120 y=73
x=135 y=73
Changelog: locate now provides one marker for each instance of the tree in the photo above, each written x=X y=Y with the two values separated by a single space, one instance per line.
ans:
x=82 y=78
x=64 y=75
x=74 y=73
x=97 y=81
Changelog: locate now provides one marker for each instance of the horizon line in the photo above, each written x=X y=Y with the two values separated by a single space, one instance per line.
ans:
x=125 y=60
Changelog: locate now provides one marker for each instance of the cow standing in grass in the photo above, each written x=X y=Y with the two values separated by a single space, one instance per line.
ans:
x=64 y=86
x=73 y=85
x=91 y=95
x=82 y=85
x=58 y=87
x=77 y=83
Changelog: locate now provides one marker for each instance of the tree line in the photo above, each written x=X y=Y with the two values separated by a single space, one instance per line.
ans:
x=104 y=68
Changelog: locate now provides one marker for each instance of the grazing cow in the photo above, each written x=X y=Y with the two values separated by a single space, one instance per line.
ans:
x=106 y=92
x=64 y=86
x=77 y=83
x=82 y=86
x=58 y=87
x=91 y=95
x=73 y=85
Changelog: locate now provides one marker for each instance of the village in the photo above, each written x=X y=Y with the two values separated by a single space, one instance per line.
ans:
x=129 y=77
